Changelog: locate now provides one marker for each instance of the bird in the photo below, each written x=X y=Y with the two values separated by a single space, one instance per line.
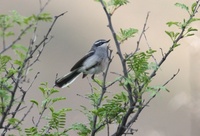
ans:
x=94 y=62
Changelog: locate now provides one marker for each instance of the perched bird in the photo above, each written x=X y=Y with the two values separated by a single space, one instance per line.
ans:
x=94 y=62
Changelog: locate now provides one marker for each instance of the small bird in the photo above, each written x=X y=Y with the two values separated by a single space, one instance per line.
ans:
x=94 y=62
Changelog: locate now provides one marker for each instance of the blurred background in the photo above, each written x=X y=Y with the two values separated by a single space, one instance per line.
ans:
x=176 y=113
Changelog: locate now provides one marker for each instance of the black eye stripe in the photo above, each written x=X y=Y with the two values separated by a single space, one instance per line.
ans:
x=100 y=42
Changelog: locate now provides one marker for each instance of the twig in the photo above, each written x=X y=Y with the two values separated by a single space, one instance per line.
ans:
x=23 y=118
x=17 y=39
x=146 y=104
x=33 y=81
x=91 y=88
x=43 y=7
x=175 y=42
x=143 y=32
x=45 y=37
x=140 y=37
x=107 y=124
x=103 y=87
x=41 y=114
x=162 y=52
x=145 y=37
x=39 y=53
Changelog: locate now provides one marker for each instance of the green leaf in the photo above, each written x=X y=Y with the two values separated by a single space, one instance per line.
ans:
x=4 y=59
x=51 y=109
x=128 y=81
x=81 y=128
x=58 y=99
x=192 y=29
x=124 y=34
x=13 y=121
x=44 y=17
x=173 y=23
x=98 y=81
x=43 y=90
x=31 y=131
x=193 y=20
x=34 y=101
x=119 y=2
x=7 y=34
x=52 y=91
x=18 y=62
x=44 y=84
x=94 y=98
x=17 y=18
x=193 y=7
x=183 y=6
x=155 y=89
x=19 y=47
x=189 y=35
x=172 y=34
x=176 y=45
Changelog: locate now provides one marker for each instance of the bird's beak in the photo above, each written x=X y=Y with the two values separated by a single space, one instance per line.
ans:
x=107 y=41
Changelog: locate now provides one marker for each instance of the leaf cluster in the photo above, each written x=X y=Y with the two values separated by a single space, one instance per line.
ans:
x=56 y=121
x=139 y=63
x=185 y=25
x=13 y=77
x=125 y=34
x=113 y=5
x=7 y=22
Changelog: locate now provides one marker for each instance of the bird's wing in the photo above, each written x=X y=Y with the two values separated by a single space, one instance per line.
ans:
x=80 y=62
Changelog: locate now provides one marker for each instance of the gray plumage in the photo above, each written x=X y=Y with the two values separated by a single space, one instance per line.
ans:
x=94 y=62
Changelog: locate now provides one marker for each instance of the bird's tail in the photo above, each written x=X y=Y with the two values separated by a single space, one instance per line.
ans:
x=67 y=79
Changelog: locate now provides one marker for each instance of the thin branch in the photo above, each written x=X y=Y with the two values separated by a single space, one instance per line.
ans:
x=146 y=104
x=143 y=32
x=107 y=124
x=41 y=114
x=3 y=37
x=162 y=52
x=46 y=36
x=181 y=35
x=39 y=53
x=125 y=71
x=140 y=37
x=17 y=39
x=145 y=37
x=23 y=118
x=103 y=91
x=33 y=81
x=43 y=7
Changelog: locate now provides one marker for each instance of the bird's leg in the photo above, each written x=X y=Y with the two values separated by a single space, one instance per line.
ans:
x=93 y=77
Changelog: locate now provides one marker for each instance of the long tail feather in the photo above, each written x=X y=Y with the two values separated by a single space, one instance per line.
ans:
x=67 y=79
